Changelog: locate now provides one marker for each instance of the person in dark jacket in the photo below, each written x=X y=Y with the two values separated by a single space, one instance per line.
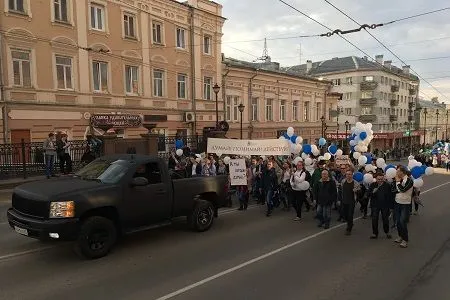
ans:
x=269 y=184
x=325 y=193
x=381 y=201
x=349 y=193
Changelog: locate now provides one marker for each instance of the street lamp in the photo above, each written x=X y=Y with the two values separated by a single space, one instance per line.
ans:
x=347 y=127
x=322 y=119
x=446 y=126
x=241 y=110
x=216 y=89
x=425 y=112
x=437 y=122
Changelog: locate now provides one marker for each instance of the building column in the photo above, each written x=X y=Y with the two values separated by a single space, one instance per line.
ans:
x=146 y=71
x=81 y=9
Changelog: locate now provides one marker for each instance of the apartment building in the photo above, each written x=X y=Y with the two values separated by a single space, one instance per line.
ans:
x=69 y=64
x=432 y=120
x=374 y=92
x=274 y=100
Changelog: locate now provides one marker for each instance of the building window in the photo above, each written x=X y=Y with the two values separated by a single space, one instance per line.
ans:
x=132 y=79
x=349 y=80
x=295 y=111
x=97 y=17
x=318 y=111
x=235 y=108
x=306 y=111
x=228 y=108
x=348 y=96
x=382 y=79
x=254 y=109
x=158 y=83
x=283 y=110
x=366 y=94
x=60 y=9
x=336 y=82
x=181 y=86
x=64 y=72
x=207 y=88
x=129 y=26
x=157 y=31
x=21 y=67
x=348 y=111
x=181 y=38
x=367 y=78
x=100 y=76
x=207 y=44
x=366 y=110
x=17 y=6
x=269 y=110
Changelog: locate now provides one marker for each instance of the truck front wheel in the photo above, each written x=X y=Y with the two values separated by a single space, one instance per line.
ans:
x=96 y=238
x=202 y=216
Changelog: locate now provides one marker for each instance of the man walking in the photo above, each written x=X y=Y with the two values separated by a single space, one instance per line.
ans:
x=349 y=190
x=403 y=198
x=50 y=153
x=325 y=193
x=380 y=202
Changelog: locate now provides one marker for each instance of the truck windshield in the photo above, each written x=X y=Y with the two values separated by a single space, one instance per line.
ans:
x=104 y=171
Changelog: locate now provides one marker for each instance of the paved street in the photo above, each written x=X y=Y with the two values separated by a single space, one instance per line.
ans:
x=244 y=256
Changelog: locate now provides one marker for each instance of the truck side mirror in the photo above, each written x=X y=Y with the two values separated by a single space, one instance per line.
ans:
x=139 y=181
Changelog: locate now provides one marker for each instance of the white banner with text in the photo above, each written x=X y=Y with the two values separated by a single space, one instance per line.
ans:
x=248 y=147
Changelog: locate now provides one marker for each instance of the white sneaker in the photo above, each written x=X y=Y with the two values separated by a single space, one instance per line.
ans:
x=297 y=219
x=398 y=240
x=404 y=244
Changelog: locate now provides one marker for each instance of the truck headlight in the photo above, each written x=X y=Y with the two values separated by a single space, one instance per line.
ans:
x=63 y=209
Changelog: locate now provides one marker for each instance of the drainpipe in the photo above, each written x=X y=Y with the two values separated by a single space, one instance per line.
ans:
x=250 y=97
x=193 y=73
x=224 y=94
x=3 y=94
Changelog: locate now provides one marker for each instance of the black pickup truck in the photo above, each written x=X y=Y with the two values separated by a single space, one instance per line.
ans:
x=111 y=196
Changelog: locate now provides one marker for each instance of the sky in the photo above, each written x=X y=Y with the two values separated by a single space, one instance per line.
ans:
x=414 y=41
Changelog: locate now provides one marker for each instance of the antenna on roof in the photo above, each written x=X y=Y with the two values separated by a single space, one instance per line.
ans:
x=265 y=56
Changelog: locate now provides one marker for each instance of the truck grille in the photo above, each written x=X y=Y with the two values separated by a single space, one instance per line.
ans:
x=30 y=207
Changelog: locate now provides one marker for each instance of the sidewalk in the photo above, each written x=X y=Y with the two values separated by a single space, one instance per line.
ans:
x=7 y=184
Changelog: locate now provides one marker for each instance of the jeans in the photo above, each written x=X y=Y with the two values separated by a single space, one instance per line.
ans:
x=286 y=198
x=324 y=214
x=269 y=200
x=65 y=163
x=49 y=163
x=402 y=212
x=385 y=211
x=243 y=199
x=348 y=212
x=298 y=198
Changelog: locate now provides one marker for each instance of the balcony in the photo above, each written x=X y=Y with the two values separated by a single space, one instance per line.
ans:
x=394 y=102
x=393 y=118
x=395 y=88
x=368 y=101
x=368 y=85
x=412 y=92
x=410 y=118
x=368 y=118
x=411 y=105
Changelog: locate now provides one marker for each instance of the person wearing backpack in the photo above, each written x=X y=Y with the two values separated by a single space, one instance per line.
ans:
x=299 y=186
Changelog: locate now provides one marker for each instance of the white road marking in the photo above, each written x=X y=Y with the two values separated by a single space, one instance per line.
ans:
x=264 y=256
x=13 y=255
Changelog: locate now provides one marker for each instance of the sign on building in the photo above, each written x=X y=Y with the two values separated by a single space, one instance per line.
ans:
x=238 y=172
x=116 y=121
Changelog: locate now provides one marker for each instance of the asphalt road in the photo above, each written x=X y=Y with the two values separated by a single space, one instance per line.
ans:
x=244 y=256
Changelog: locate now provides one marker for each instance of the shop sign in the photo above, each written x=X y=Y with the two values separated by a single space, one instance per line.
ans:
x=116 y=121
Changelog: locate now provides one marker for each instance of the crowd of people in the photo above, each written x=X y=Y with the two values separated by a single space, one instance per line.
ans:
x=323 y=187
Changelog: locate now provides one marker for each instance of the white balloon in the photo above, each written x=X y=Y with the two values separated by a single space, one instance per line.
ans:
x=412 y=163
x=179 y=152
x=304 y=155
x=327 y=156
x=290 y=131
x=308 y=161
x=390 y=173
x=304 y=186
x=418 y=183
x=352 y=143
x=359 y=125
x=369 y=125
x=296 y=160
x=356 y=155
x=429 y=171
x=362 y=160
x=198 y=160
x=339 y=152
x=282 y=138
x=368 y=168
x=380 y=162
x=226 y=160
x=368 y=178
x=314 y=147
x=297 y=149
x=320 y=158
x=383 y=167
x=411 y=157
x=316 y=152
x=299 y=140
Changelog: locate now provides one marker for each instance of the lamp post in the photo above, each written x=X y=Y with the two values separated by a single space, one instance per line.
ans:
x=216 y=89
x=425 y=112
x=338 y=111
x=347 y=126
x=322 y=119
x=437 y=123
x=241 y=110
x=446 y=126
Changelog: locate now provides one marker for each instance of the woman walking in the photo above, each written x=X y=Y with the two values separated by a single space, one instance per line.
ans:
x=299 y=186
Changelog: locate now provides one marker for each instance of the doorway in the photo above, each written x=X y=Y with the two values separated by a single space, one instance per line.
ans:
x=16 y=148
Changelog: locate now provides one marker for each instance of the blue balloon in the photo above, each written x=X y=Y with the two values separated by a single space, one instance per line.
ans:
x=293 y=139
x=423 y=168
x=416 y=172
x=322 y=142
x=352 y=148
x=286 y=136
x=369 y=158
x=179 y=144
x=307 y=149
x=389 y=167
x=363 y=135
x=332 y=149
x=358 y=176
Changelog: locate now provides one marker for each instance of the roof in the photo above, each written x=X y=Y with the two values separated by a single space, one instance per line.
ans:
x=346 y=64
x=430 y=105
x=272 y=67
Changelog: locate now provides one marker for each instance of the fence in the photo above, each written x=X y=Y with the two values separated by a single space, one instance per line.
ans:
x=27 y=159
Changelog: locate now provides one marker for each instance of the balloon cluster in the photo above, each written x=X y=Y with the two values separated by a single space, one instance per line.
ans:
x=295 y=142
x=361 y=136
x=418 y=170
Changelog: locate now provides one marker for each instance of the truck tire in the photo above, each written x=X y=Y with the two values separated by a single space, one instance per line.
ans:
x=96 y=238
x=202 y=216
